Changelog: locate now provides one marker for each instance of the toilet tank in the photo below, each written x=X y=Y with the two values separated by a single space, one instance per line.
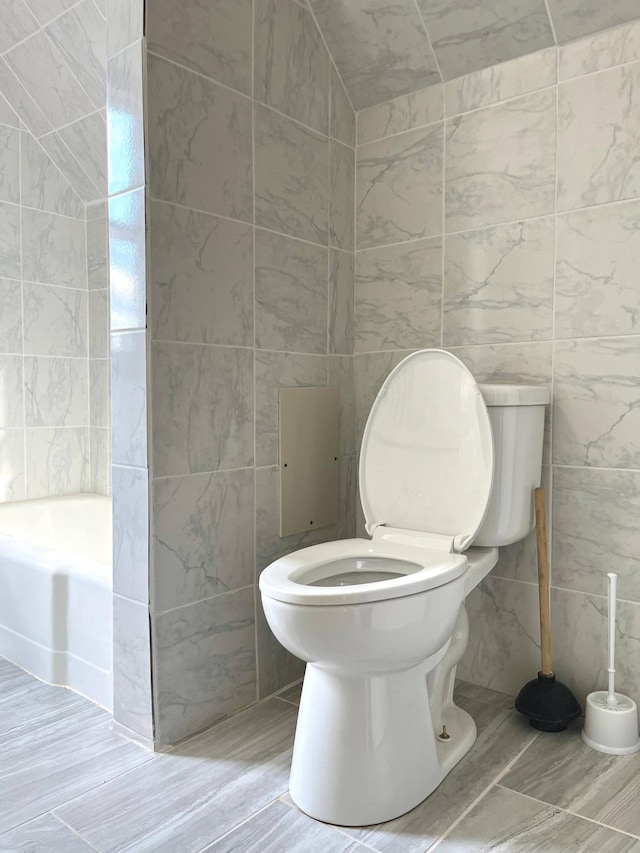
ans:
x=517 y=420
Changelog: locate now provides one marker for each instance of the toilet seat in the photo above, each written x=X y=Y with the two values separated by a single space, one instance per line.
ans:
x=426 y=473
x=292 y=578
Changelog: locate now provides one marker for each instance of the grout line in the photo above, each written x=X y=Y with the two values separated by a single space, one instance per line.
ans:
x=210 y=844
x=568 y=811
x=41 y=27
x=22 y=311
x=55 y=130
x=552 y=414
x=320 y=31
x=75 y=831
x=429 y=42
x=551 y=24
x=341 y=830
x=483 y=794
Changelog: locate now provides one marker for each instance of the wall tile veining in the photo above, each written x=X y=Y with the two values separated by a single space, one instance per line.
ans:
x=537 y=229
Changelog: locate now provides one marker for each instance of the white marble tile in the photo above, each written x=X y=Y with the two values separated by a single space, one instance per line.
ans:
x=131 y=533
x=291 y=177
x=399 y=187
x=504 y=646
x=291 y=63
x=12 y=465
x=291 y=291
x=369 y=372
x=341 y=198
x=98 y=324
x=201 y=277
x=56 y=392
x=398 y=297
x=505 y=820
x=10 y=256
x=132 y=667
x=597 y=52
x=499 y=82
x=18 y=22
x=594 y=530
x=10 y=316
x=125 y=24
x=213 y=38
x=11 y=391
x=69 y=166
x=603 y=109
x=10 y=165
x=575 y=18
x=100 y=450
x=43 y=834
x=7 y=115
x=79 y=35
x=97 y=251
x=276 y=370
x=202 y=403
x=57 y=461
x=343 y=117
x=596 y=418
x=205 y=663
x=597 y=259
x=21 y=102
x=382 y=51
x=49 y=81
x=500 y=162
x=579 y=628
x=203 y=536
x=340 y=375
x=55 y=320
x=43 y=186
x=407 y=112
x=467 y=37
x=87 y=141
x=127 y=261
x=195 y=794
x=498 y=284
x=46 y=10
x=129 y=398
x=53 y=249
x=99 y=396
x=187 y=112
x=341 y=301
x=125 y=120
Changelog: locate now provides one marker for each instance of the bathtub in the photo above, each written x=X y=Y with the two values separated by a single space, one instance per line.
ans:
x=56 y=592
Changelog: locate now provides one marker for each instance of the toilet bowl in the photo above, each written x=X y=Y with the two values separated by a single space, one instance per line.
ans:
x=381 y=622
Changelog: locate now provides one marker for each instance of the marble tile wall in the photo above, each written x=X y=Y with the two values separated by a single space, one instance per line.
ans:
x=53 y=329
x=53 y=74
x=513 y=241
x=249 y=265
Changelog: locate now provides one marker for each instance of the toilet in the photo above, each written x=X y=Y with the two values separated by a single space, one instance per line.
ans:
x=447 y=472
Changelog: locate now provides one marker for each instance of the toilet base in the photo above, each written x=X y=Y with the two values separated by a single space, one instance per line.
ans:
x=365 y=749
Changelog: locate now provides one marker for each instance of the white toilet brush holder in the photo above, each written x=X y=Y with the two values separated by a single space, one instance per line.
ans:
x=610 y=718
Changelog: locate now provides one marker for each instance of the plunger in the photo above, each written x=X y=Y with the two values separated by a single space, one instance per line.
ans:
x=549 y=705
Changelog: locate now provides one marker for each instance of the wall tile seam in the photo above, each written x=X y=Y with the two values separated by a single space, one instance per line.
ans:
x=47 y=212
x=429 y=41
x=250 y=97
x=41 y=27
x=55 y=130
x=83 y=171
x=132 y=189
x=332 y=63
x=50 y=284
x=607 y=468
x=57 y=427
x=601 y=597
x=159 y=613
x=53 y=46
x=58 y=357
x=212 y=473
x=432 y=124
x=245 y=222
x=565 y=80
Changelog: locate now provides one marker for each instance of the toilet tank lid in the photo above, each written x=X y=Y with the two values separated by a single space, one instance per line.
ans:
x=497 y=394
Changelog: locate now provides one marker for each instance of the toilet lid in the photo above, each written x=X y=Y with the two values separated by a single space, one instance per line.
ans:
x=427 y=453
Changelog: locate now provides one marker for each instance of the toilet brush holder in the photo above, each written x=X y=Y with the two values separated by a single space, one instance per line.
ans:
x=612 y=729
x=610 y=718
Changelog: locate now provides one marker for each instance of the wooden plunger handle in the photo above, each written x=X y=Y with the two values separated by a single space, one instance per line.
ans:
x=543 y=583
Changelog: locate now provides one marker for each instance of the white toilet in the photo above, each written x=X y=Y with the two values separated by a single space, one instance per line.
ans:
x=381 y=622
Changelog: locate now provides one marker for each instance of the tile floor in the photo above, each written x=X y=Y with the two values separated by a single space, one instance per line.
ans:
x=69 y=784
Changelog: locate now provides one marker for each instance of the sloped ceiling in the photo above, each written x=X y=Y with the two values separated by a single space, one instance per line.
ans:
x=53 y=75
x=386 y=48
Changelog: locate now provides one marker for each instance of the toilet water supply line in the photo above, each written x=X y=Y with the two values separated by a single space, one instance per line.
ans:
x=612 y=580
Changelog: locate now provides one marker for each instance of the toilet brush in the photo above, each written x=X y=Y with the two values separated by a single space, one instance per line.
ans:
x=549 y=705
x=611 y=719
